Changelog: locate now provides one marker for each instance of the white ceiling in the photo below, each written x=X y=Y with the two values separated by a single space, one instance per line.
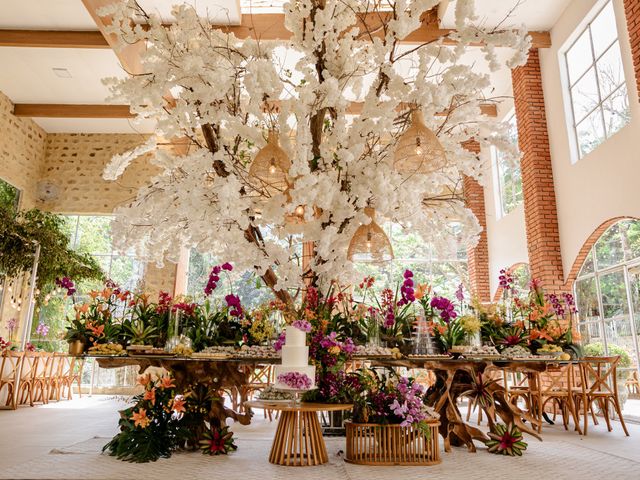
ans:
x=27 y=75
x=45 y=14
x=217 y=11
x=536 y=14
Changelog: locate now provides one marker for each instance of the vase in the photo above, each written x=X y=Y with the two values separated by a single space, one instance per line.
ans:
x=474 y=339
x=76 y=348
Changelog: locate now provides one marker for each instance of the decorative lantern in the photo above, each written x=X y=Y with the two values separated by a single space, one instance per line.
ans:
x=270 y=167
x=418 y=149
x=370 y=243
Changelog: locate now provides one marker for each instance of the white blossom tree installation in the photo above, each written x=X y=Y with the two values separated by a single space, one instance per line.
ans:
x=228 y=96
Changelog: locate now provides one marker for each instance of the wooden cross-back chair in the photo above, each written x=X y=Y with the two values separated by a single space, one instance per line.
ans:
x=27 y=374
x=9 y=374
x=556 y=388
x=525 y=387
x=599 y=385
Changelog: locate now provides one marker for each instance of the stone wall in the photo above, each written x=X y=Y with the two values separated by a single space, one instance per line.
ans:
x=22 y=152
x=68 y=168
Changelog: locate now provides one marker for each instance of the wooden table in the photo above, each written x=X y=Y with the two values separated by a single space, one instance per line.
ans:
x=298 y=441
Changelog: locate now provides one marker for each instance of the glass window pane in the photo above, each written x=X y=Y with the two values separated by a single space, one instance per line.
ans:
x=584 y=95
x=610 y=70
x=94 y=235
x=616 y=111
x=614 y=294
x=579 y=57
x=609 y=251
x=126 y=272
x=587 y=299
x=603 y=29
x=630 y=229
x=587 y=266
x=590 y=132
x=590 y=333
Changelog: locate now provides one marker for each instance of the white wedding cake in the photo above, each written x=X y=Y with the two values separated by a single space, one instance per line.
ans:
x=295 y=357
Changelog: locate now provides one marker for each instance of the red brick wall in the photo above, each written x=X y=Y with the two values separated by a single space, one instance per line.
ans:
x=478 y=256
x=543 y=239
x=632 y=14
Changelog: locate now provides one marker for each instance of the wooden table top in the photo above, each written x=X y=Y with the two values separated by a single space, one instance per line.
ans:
x=300 y=406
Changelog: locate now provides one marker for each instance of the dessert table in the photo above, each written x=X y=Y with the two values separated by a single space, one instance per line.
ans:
x=298 y=441
x=455 y=378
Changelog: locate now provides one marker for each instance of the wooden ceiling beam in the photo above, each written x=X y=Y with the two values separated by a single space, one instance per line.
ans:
x=263 y=26
x=48 y=110
x=44 y=110
x=52 y=39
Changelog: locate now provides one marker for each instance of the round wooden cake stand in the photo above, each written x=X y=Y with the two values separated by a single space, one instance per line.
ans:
x=298 y=441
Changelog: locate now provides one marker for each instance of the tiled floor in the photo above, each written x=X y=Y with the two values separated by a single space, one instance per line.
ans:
x=57 y=442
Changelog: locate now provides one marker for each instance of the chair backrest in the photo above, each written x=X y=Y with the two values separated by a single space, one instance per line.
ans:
x=10 y=365
x=66 y=366
x=556 y=378
x=43 y=366
x=599 y=374
x=56 y=365
x=29 y=366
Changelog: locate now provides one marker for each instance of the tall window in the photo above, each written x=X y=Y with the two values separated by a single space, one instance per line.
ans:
x=444 y=272
x=608 y=294
x=9 y=199
x=509 y=176
x=247 y=285
x=89 y=234
x=597 y=89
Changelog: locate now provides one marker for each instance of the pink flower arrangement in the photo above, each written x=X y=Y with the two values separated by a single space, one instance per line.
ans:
x=214 y=277
x=302 y=325
x=295 y=380
x=277 y=345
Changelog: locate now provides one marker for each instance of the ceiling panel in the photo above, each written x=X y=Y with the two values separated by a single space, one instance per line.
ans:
x=220 y=12
x=45 y=14
x=28 y=75
x=536 y=14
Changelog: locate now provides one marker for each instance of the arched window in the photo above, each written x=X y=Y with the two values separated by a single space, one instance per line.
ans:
x=608 y=294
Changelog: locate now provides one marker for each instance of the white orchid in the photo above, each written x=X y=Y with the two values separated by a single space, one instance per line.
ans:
x=226 y=93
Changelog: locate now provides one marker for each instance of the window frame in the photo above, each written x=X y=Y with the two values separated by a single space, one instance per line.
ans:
x=498 y=176
x=568 y=84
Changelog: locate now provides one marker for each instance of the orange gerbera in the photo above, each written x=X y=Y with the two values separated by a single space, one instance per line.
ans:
x=140 y=418
x=150 y=395
x=166 y=382
x=144 y=379
x=179 y=404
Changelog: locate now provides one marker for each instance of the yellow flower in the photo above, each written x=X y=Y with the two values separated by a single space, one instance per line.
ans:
x=140 y=418
x=335 y=350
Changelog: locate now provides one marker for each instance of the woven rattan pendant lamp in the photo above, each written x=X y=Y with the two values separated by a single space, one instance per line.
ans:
x=270 y=167
x=418 y=149
x=370 y=243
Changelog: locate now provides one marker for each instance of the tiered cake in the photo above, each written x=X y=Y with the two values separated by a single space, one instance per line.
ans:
x=295 y=357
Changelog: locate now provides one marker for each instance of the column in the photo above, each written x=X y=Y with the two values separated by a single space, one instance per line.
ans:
x=541 y=220
x=478 y=256
x=632 y=14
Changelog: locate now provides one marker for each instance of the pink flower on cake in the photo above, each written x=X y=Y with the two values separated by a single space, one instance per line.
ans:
x=295 y=380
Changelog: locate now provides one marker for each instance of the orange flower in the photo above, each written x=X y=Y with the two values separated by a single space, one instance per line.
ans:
x=150 y=395
x=94 y=294
x=166 y=382
x=534 y=334
x=179 y=404
x=144 y=379
x=421 y=290
x=95 y=331
x=442 y=329
x=140 y=418
x=519 y=324
x=106 y=293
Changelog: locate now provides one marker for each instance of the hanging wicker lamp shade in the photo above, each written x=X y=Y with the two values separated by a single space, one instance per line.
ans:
x=418 y=149
x=370 y=243
x=270 y=167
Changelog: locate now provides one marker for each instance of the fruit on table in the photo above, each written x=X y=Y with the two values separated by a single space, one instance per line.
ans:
x=565 y=356
x=107 y=349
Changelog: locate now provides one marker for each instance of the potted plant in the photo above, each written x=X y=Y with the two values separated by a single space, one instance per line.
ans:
x=392 y=425
x=76 y=335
